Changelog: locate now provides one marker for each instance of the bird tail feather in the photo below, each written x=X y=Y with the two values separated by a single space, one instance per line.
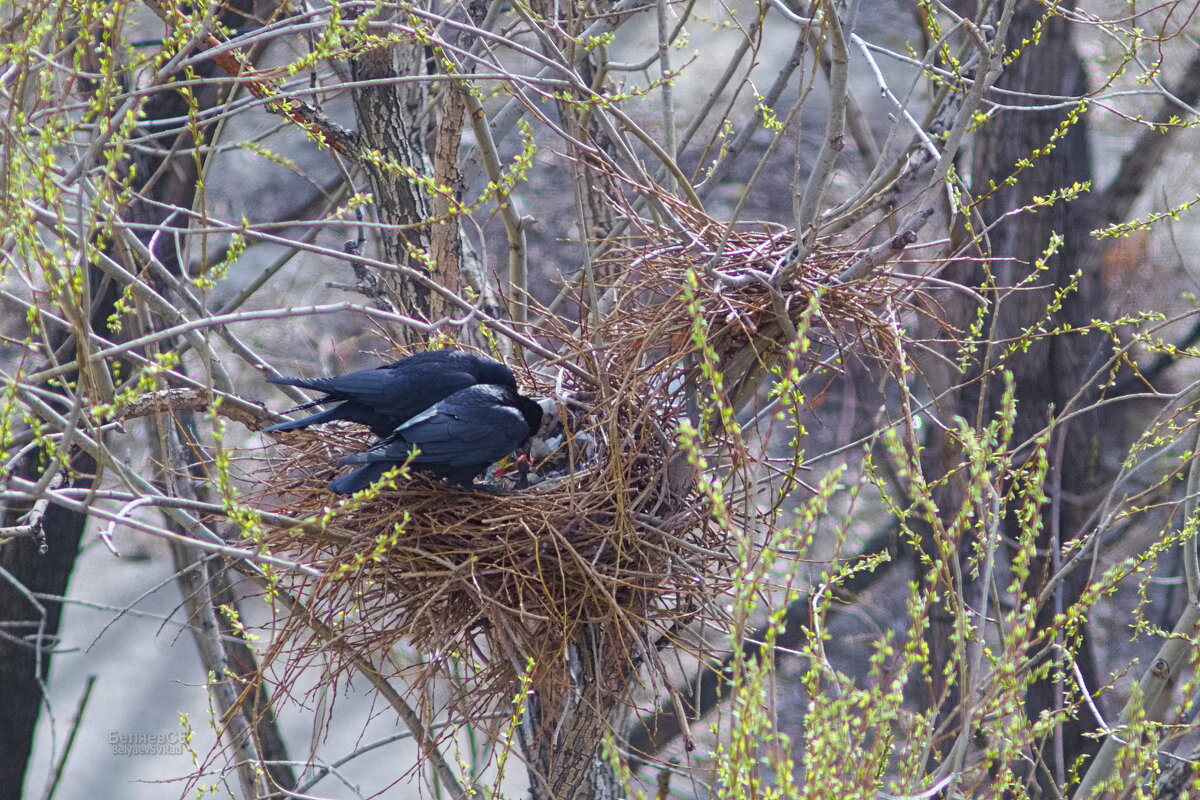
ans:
x=303 y=422
x=359 y=479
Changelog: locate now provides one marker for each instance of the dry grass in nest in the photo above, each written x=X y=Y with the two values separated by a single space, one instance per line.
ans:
x=501 y=582
x=748 y=299
x=505 y=579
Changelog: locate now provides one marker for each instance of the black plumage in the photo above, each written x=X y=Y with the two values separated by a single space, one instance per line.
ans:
x=457 y=438
x=386 y=397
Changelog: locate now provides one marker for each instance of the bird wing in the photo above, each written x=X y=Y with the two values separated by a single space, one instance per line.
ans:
x=472 y=426
x=459 y=440
x=405 y=387
x=394 y=391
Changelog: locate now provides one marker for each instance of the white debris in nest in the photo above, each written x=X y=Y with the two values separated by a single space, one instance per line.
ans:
x=553 y=452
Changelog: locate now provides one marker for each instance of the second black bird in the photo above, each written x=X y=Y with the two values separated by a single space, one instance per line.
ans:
x=457 y=438
x=385 y=397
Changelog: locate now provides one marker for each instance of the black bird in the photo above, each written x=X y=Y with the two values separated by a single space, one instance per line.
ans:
x=458 y=438
x=388 y=396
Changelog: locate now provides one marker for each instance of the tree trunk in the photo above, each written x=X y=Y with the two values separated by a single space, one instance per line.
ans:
x=394 y=150
x=561 y=737
x=25 y=659
x=31 y=625
x=1052 y=370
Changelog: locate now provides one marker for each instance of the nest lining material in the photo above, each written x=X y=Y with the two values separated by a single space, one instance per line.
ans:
x=440 y=565
x=507 y=580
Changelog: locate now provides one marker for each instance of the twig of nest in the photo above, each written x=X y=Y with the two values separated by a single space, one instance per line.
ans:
x=605 y=538
x=608 y=528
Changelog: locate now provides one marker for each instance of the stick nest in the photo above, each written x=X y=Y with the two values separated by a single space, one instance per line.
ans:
x=495 y=586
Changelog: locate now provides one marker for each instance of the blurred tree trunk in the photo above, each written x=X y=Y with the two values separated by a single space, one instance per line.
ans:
x=170 y=180
x=1051 y=371
x=30 y=625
